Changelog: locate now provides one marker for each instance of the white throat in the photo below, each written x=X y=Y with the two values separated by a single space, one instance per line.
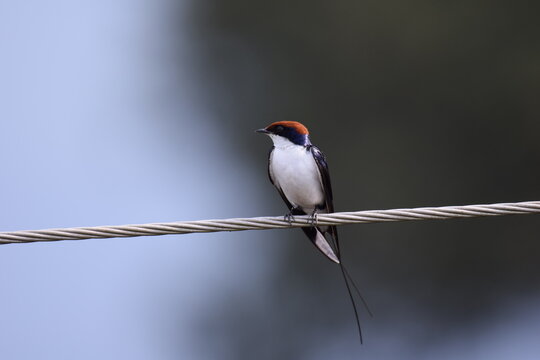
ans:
x=281 y=142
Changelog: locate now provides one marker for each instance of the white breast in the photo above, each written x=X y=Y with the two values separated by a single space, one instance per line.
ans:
x=294 y=170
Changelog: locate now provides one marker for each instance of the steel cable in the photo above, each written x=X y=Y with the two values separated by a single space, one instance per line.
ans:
x=263 y=223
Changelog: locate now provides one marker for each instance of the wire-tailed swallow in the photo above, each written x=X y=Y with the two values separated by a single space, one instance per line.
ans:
x=299 y=171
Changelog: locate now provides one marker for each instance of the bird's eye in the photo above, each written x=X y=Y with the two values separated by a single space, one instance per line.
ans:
x=279 y=128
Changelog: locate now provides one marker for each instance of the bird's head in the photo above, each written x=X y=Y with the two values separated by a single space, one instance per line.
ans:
x=287 y=133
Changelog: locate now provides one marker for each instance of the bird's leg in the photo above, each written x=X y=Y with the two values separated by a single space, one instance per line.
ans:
x=289 y=217
x=314 y=218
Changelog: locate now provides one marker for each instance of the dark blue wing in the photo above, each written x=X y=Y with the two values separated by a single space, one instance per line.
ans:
x=320 y=159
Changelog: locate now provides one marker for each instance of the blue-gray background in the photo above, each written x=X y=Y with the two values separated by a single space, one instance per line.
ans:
x=143 y=111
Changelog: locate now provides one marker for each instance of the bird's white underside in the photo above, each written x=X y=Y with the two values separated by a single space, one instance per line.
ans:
x=295 y=172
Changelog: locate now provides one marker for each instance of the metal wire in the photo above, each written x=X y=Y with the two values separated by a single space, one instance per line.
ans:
x=262 y=223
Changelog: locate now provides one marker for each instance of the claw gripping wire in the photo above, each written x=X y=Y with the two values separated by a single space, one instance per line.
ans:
x=262 y=223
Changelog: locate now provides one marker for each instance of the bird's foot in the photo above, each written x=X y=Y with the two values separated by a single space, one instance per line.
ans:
x=289 y=217
x=313 y=218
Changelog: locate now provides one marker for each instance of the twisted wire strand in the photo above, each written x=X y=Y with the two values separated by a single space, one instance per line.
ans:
x=263 y=223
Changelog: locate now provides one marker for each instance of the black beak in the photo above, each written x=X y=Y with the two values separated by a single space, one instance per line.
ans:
x=263 y=131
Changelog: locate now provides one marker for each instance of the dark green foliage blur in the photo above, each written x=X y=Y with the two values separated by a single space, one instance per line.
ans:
x=415 y=103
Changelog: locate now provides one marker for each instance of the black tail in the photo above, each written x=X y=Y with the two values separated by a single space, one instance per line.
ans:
x=344 y=272
x=364 y=302
x=318 y=239
x=347 y=278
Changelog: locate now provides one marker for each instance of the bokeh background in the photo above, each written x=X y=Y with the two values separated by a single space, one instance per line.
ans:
x=143 y=111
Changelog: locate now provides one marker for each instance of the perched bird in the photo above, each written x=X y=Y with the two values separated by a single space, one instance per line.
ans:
x=299 y=171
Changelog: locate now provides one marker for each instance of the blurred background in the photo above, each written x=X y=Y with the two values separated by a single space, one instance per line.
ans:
x=143 y=111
